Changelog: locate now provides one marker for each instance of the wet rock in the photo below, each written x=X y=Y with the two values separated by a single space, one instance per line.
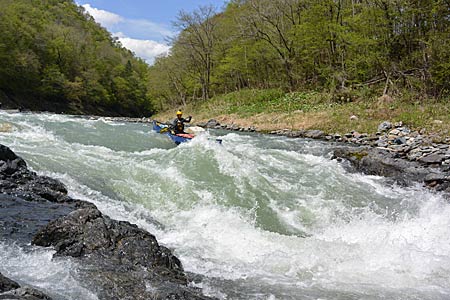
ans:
x=381 y=162
x=11 y=290
x=20 y=219
x=17 y=180
x=122 y=258
x=25 y=293
x=7 y=284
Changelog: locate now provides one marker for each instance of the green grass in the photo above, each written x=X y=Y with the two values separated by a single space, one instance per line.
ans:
x=274 y=109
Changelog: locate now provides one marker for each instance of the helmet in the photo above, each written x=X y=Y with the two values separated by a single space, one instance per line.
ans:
x=179 y=113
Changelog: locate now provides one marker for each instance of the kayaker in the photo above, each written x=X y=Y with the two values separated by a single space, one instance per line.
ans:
x=178 y=123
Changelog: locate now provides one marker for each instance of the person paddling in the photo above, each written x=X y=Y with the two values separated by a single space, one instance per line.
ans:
x=178 y=123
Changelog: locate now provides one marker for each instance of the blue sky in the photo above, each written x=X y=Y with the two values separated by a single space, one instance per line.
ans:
x=142 y=25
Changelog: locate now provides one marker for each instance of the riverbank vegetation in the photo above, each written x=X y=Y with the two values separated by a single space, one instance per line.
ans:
x=269 y=110
x=311 y=63
x=55 y=57
x=277 y=63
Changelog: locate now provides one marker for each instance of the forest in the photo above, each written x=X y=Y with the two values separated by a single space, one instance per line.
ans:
x=345 y=47
x=55 y=57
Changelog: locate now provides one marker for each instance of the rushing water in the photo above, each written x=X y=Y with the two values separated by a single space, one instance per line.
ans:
x=260 y=217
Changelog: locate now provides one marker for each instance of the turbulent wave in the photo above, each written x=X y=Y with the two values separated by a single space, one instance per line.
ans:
x=261 y=217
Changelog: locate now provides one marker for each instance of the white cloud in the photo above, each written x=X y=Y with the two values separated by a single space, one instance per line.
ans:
x=136 y=28
x=105 y=18
x=142 y=26
x=145 y=49
x=150 y=33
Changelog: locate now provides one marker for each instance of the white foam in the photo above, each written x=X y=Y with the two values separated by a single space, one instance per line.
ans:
x=238 y=211
x=36 y=267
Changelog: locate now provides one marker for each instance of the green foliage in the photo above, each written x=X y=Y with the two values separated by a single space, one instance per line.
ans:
x=365 y=47
x=55 y=57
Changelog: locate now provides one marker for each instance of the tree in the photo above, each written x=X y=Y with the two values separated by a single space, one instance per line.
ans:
x=197 y=40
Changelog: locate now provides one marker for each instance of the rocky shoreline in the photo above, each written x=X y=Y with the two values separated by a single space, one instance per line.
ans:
x=120 y=260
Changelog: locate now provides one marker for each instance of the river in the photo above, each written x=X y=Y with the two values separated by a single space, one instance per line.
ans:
x=259 y=217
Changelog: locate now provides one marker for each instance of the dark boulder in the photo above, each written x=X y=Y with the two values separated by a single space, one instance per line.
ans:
x=7 y=284
x=121 y=260
x=16 y=179
x=11 y=290
x=20 y=219
x=373 y=161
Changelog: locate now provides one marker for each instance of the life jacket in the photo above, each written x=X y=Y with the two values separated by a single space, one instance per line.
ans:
x=179 y=126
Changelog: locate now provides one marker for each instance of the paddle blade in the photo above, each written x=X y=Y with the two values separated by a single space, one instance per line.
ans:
x=164 y=130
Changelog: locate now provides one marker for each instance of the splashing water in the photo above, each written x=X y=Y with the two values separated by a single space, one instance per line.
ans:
x=260 y=217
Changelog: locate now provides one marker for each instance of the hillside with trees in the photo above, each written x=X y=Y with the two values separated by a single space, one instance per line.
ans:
x=348 y=48
x=55 y=57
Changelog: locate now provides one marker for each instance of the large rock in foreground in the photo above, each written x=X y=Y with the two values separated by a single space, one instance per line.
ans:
x=123 y=261
x=117 y=260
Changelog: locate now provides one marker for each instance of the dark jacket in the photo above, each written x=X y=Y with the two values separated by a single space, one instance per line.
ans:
x=178 y=124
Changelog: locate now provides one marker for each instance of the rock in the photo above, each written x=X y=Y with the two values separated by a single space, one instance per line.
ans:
x=20 y=219
x=438 y=122
x=212 y=123
x=382 y=144
x=400 y=141
x=382 y=163
x=123 y=258
x=296 y=134
x=404 y=130
x=384 y=126
x=353 y=118
x=432 y=159
x=314 y=134
x=25 y=293
x=11 y=290
x=394 y=132
x=437 y=177
x=119 y=260
x=7 y=284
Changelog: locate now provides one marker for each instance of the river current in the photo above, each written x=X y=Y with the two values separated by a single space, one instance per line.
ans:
x=258 y=217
